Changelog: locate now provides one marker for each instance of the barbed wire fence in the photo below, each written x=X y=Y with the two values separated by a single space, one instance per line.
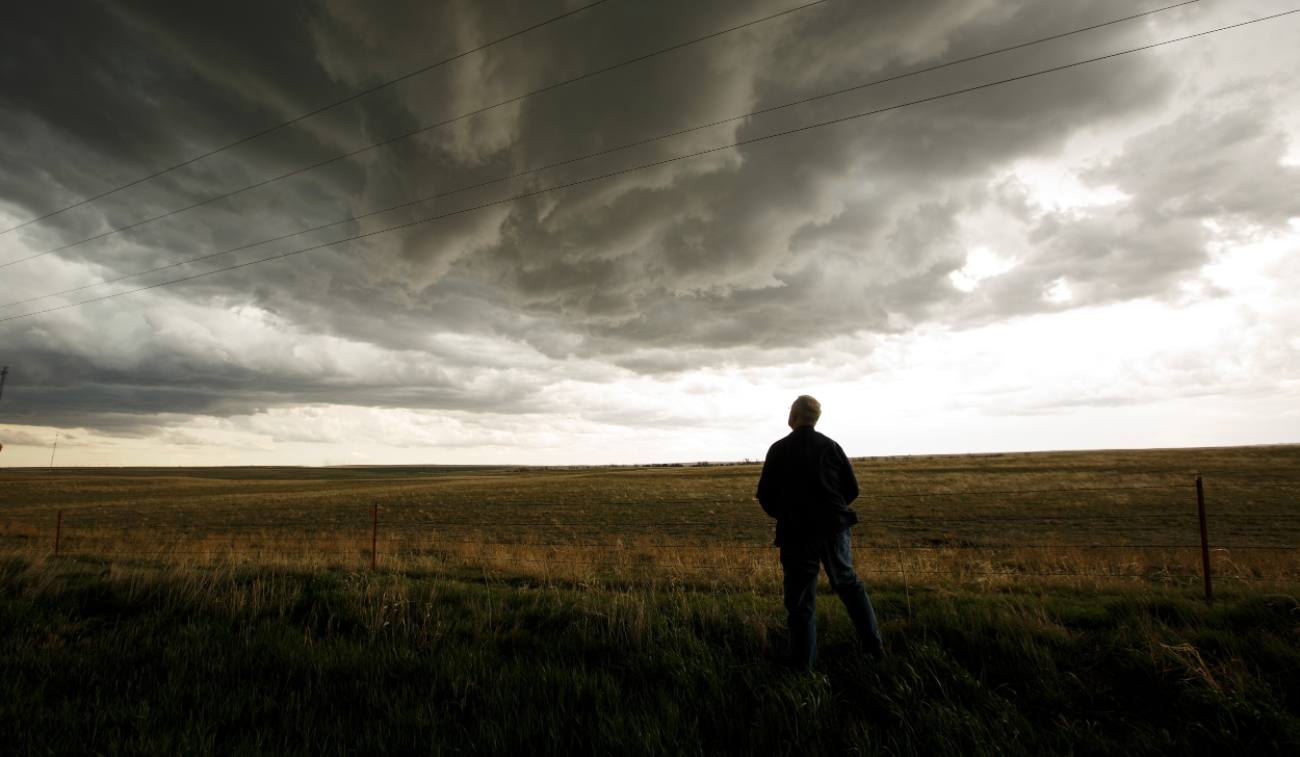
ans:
x=631 y=547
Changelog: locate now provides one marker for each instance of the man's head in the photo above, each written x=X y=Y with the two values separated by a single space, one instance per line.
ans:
x=805 y=411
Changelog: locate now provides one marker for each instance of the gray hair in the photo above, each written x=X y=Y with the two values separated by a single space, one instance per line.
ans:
x=805 y=411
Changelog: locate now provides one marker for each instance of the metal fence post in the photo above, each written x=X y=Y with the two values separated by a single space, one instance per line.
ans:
x=374 y=534
x=1205 y=539
x=58 y=531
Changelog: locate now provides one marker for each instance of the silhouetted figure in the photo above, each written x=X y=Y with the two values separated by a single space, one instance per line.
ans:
x=807 y=485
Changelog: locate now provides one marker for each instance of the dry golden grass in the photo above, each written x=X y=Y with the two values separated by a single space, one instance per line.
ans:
x=1075 y=518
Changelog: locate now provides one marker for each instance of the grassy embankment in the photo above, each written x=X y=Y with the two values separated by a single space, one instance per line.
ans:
x=112 y=660
x=636 y=610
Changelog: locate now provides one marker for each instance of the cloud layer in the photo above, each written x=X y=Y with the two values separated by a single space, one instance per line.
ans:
x=1106 y=184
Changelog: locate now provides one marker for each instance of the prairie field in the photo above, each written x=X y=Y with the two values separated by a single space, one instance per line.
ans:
x=1081 y=517
x=1032 y=603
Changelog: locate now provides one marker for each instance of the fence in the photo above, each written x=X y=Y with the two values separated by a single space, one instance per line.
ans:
x=629 y=546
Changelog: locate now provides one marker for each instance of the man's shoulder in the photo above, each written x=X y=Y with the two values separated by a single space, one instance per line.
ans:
x=803 y=438
x=818 y=438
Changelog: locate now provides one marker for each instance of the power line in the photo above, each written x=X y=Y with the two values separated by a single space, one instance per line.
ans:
x=301 y=117
x=654 y=164
x=418 y=130
x=591 y=155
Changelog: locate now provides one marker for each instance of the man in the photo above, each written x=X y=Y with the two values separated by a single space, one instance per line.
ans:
x=807 y=485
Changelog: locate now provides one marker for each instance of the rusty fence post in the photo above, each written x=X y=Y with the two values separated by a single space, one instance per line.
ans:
x=1205 y=539
x=374 y=534
x=58 y=531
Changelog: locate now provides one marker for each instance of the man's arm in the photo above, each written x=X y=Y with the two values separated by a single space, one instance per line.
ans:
x=848 y=482
x=769 y=487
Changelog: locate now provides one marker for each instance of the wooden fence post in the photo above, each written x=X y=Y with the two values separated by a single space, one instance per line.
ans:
x=1205 y=539
x=58 y=531
x=374 y=534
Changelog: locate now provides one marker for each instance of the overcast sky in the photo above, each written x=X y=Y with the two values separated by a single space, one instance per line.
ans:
x=1104 y=256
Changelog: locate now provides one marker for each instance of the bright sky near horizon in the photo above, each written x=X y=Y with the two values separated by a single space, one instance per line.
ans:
x=1101 y=257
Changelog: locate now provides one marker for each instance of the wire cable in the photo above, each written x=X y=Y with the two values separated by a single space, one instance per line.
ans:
x=675 y=567
x=654 y=164
x=418 y=130
x=303 y=116
x=592 y=155
x=271 y=542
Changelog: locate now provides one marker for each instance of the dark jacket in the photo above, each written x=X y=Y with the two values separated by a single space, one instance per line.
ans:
x=807 y=485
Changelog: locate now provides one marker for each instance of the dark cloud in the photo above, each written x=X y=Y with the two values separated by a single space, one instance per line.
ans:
x=756 y=250
x=122 y=392
x=1224 y=167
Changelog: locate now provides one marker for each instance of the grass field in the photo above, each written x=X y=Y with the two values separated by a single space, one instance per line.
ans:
x=1092 y=514
x=1032 y=603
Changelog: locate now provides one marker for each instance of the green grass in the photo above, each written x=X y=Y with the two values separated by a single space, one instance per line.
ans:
x=637 y=611
x=99 y=659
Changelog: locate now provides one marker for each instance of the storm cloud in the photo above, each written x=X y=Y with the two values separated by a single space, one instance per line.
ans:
x=752 y=257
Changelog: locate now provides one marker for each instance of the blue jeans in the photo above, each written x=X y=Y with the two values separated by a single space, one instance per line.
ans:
x=801 y=563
